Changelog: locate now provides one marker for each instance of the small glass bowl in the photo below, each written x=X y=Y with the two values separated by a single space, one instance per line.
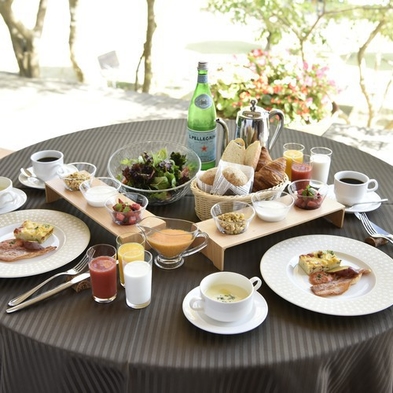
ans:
x=75 y=173
x=300 y=190
x=232 y=217
x=128 y=214
x=272 y=206
x=98 y=190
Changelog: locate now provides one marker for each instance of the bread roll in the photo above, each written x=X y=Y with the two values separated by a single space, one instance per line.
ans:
x=208 y=176
x=252 y=155
x=234 y=152
x=235 y=176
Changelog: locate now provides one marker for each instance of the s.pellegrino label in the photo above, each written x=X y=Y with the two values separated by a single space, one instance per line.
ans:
x=203 y=143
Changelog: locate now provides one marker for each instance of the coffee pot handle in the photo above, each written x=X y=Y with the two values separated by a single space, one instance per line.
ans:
x=225 y=138
x=279 y=126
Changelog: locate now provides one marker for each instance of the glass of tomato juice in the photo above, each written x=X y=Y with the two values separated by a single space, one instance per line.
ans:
x=103 y=272
x=303 y=169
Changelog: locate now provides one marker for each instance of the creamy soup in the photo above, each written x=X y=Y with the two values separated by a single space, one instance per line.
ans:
x=226 y=293
x=170 y=242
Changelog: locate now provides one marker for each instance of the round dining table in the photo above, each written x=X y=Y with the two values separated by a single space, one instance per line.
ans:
x=69 y=343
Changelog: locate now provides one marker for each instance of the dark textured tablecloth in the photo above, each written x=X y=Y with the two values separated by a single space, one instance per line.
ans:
x=71 y=344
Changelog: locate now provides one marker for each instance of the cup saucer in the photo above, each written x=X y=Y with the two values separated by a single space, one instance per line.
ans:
x=362 y=208
x=251 y=321
x=31 y=182
x=19 y=201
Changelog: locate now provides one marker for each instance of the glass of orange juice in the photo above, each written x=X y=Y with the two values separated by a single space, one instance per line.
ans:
x=292 y=152
x=172 y=239
x=132 y=244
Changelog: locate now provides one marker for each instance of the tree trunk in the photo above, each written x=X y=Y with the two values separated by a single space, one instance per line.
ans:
x=73 y=4
x=151 y=27
x=362 y=69
x=24 y=41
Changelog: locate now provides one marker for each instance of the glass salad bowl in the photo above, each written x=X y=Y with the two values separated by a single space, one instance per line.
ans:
x=160 y=170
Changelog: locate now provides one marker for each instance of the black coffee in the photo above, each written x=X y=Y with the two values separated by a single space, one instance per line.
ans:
x=351 y=181
x=47 y=159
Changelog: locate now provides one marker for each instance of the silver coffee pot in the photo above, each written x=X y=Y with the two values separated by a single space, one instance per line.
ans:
x=255 y=123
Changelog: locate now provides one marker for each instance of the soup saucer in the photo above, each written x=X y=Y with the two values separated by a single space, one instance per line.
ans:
x=19 y=201
x=31 y=182
x=363 y=207
x=251 y=321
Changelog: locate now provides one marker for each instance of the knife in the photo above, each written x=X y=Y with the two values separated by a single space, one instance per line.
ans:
x=388 y=236
x=381 y=230
x=49 y=293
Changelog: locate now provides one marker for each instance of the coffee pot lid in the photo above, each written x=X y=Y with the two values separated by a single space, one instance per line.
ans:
x=253 y=112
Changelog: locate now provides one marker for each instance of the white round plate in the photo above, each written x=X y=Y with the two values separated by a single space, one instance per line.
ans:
x=71 y=236
x=200 y=320
x=364 y=207
x=19 y=201
x=373 y=293
x=31 y=182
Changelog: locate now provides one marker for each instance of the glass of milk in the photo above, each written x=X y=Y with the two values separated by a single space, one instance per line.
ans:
x=138 y=281
x=321 y=158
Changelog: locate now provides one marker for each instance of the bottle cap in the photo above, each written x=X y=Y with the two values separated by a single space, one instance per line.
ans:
x=202 y=65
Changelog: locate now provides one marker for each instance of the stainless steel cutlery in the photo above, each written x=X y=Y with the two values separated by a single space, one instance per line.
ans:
x=373 y=229
x=49 y=293
x=78 y=268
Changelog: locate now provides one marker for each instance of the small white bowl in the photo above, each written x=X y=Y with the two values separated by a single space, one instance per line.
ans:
x=272 y=206
x=75 y=173
x=98 y=190
x=232 y=217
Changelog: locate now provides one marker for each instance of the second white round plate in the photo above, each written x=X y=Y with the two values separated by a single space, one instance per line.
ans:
x=373 y=293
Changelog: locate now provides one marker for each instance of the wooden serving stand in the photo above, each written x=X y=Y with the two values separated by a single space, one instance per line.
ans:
x=218 y=242
x=54 y=190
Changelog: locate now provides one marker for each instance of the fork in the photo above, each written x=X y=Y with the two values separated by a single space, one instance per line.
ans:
x=370 y=229
x=78 y=268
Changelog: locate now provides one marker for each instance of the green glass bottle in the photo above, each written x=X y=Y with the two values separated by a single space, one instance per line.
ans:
x=201 y=121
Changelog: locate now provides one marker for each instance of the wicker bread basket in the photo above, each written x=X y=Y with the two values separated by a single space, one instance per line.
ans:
x=205 y=201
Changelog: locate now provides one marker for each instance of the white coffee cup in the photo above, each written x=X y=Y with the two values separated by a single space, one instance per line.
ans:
x=6 y=194
x=350 y=187
x=226 y=296
x=46 y=162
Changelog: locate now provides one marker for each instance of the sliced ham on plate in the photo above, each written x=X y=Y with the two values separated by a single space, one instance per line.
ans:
x=15 y=249
x=338 y=282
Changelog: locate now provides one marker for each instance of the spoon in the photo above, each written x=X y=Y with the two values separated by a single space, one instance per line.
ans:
x=368 y=202
x=27 y=173
x=30 y=176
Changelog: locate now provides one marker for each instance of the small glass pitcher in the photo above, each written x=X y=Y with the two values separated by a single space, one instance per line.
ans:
x=171 y=239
